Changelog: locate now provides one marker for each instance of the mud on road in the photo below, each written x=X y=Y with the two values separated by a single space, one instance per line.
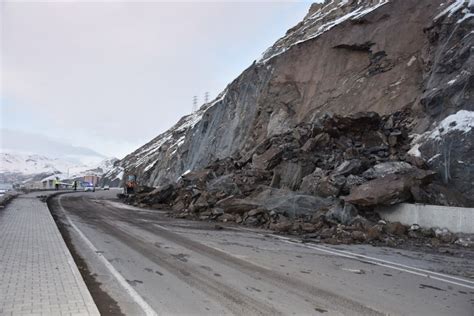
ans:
x=106 y=304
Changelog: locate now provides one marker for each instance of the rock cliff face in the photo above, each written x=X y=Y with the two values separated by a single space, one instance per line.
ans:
x=345 y=57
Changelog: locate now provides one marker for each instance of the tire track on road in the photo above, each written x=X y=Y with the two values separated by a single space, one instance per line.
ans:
x=298 y=288
x=236 y=302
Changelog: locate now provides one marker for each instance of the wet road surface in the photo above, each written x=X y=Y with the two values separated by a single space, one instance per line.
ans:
x=150 y=263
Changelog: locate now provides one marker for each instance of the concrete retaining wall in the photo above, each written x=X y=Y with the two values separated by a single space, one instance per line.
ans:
x=456 y=219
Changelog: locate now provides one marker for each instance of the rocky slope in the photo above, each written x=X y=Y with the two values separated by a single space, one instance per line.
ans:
x=407 y=62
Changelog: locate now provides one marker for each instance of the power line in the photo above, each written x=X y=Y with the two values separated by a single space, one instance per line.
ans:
x=195 y=103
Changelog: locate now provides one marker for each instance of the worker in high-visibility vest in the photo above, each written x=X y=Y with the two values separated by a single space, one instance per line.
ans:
x=56 y=184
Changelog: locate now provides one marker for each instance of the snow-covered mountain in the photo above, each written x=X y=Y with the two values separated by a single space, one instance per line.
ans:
x=20 y=167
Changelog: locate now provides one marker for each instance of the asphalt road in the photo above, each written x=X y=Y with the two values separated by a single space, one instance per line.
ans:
x=150 y=263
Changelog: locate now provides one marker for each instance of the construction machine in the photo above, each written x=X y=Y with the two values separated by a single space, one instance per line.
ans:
x=131 y=184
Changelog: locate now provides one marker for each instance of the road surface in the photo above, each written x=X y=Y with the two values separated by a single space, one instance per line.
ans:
x=152 y=264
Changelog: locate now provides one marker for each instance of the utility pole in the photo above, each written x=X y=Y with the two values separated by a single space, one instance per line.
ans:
x=206 y=97
x=195 y=103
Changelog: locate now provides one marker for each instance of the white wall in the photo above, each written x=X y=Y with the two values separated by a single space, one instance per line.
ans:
x=456 y=219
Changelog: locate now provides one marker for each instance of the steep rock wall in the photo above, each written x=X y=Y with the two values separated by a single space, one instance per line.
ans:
x=344 y=57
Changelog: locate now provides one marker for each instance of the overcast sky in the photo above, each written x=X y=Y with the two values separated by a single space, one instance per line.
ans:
x=112 y=75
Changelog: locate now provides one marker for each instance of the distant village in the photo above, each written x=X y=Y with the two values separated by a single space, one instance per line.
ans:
x=65 y=182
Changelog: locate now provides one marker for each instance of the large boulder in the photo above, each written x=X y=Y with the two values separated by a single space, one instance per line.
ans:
x=310 y=182
x=224 y=184
x=197 y=176
x=290 y=174
x=319 y=184
x=269 y=159
x=385 y=168
x=388 y=190
x=289 y=202
x=343 y=213
x=348 y=167
x=235 y=205
x=160 y=195
x=330 y=186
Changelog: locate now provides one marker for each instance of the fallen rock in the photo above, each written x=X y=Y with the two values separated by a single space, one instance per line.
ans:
x=226 y=218
x=358 y=236
x=235 y=205
x=197 y=176
x=330 y=186
x=349 y=167
x=160 y=195
x=395 y=228
x=344 y=213
x=282 y=226
x=308 y=227
x=224 y=184
x=382 y=169
x=374 y=232
x=310 y=182
x=268 y=160
x=444 y=235
x=353 y=181
x=465 y=242
x=288 y=202
x=388 y=190
x=327 y=232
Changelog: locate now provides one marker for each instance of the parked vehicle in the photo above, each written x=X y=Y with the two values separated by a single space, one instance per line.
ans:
x=106 y=187
x=89 y=187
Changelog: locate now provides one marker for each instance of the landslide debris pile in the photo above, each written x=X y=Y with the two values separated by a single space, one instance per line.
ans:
x=344 y=57
x=363 y=104
x=322 y=180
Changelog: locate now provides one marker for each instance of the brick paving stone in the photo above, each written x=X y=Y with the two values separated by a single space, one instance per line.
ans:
x=37 y=271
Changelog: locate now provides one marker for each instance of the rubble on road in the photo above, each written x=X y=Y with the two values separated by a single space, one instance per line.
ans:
x=321 y=181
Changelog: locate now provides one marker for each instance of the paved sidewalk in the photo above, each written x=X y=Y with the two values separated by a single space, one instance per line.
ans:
x=38 y=275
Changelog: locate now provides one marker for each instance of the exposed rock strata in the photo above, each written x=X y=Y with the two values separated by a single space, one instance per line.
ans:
x=343 y=58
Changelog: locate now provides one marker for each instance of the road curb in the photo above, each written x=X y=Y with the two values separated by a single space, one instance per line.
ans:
x=105 y=304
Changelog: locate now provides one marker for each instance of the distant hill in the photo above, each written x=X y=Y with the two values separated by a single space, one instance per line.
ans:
x=21 y=167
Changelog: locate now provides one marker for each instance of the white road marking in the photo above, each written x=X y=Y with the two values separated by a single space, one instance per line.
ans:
x=161 y=227
x=147 y=309
x=380 y=262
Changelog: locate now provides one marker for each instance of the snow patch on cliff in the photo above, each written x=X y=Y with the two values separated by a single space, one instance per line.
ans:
x=462 y=121
x=318 y=23
x=466 y=5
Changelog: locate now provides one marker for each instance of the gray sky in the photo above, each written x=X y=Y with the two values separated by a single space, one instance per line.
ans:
x=112 y=75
